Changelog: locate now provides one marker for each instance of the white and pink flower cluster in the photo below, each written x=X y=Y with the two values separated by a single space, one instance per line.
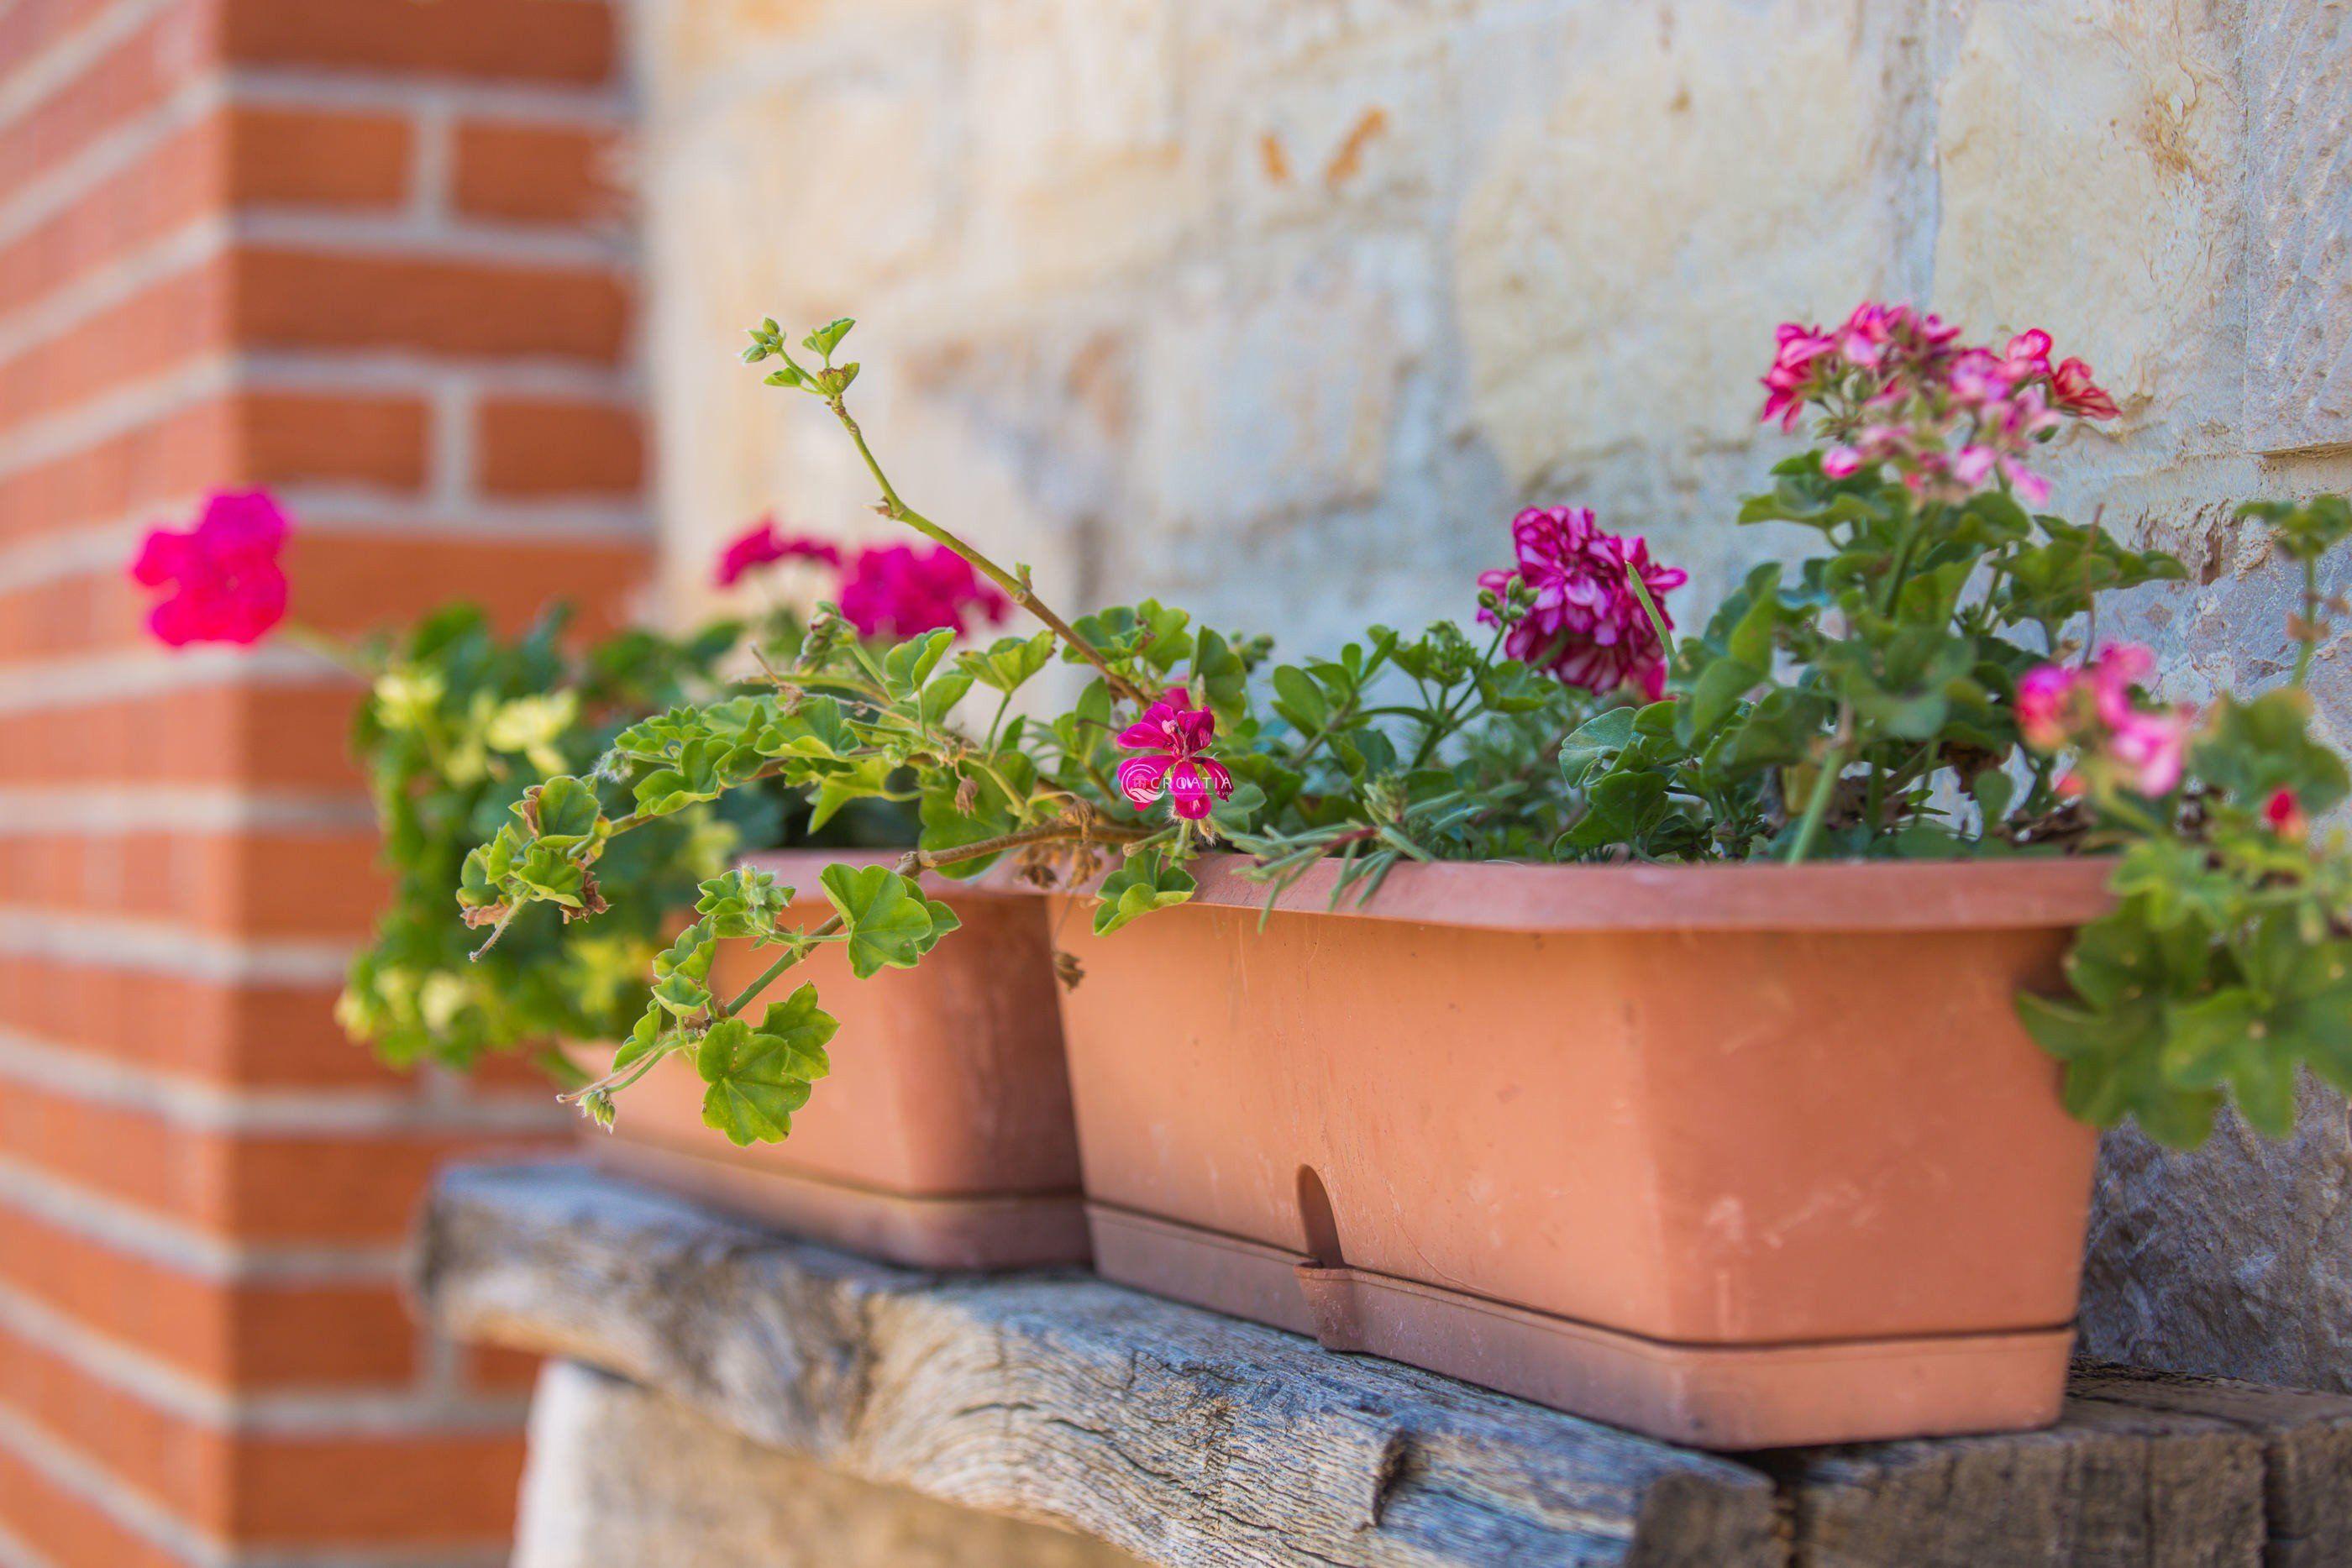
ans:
x=1896 y=387
x=2095 y=710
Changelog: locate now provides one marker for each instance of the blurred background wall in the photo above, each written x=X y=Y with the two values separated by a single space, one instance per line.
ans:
x=1281 y=307
x=360 y=251
x=1278 y=307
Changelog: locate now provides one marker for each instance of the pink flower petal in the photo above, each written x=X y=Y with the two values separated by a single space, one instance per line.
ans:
x=1188 y=789
x=1141 y=778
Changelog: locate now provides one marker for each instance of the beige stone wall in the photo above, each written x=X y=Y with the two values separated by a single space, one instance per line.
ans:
x=1282 y=306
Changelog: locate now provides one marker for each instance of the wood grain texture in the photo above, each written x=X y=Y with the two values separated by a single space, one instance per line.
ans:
x=1194 y=1440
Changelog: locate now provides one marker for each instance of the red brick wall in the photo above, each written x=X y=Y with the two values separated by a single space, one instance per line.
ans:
x=363 y=252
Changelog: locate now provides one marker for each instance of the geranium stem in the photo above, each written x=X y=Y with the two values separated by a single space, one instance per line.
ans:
x=343 y=654
x=1015 y=588
x=1809 y=826
x=2308 y=630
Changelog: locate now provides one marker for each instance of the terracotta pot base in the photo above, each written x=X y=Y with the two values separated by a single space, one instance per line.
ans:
x=1013 y=1230
x=1733 y=1397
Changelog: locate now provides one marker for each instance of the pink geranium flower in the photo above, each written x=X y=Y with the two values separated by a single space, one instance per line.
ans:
x=2073 y=390
x=2098 y=710
x=762 y=544
x=2042 y=698
x=2152 y=747
x=897 y=590
x=1894 y=387
x=2028 y=354
x=2117 y=668
x=1867 y=332
x=227 y=585
x=1585 y=626
x=2283 y=815
x=1173 y=739
x=1785 y=383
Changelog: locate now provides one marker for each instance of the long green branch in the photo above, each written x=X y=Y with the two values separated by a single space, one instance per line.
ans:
x=1016 y=589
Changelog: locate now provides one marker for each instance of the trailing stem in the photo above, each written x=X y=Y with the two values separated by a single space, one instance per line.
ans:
x=907 y=864
x=1015 y=587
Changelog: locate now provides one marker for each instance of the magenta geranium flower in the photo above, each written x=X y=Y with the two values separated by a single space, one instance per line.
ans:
x=762 y=544
x=1173 y=739
x=898 y=590
x=225 y=580
x=1585 y=624
x=1785 y=383
x=2283 y=813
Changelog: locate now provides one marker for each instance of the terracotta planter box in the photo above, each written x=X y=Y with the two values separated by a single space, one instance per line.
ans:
x=941 y=1138
x=1739 y=1156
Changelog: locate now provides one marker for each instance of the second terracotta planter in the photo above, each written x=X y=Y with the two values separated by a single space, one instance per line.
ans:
x=941 y=1138
x=1739 y=1156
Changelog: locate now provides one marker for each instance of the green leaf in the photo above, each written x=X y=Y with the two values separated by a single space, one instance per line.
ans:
x=742 y=902
x=814 y=729
x=1142 y=884
x=2223 y=1041
x=1992 y=789
x=864 y=779
x=1511 y=687
x=646 y=1038
x=2176 y=882
x=1238 y=814
x=887 y=922
x=1620 y=809
x=564 y=811
x=1750 y=641
x=825 y=339
x=909 y=664
x=1220 y=676
x=1594 y=742
x=682 y=972
x=2251 y=748
x=2303 y=531
x=1009 y=663
x=1778 y=730
x=757 y=1078
x=940 y=697
x=1299 y=700
x=548 y=875
x=1716 y=692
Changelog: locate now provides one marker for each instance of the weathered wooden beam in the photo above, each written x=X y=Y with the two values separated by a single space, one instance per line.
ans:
x=1174 y=1434
x=1190 y=1439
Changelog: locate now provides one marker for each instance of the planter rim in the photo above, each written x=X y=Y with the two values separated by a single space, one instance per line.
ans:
x=1820 y=895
